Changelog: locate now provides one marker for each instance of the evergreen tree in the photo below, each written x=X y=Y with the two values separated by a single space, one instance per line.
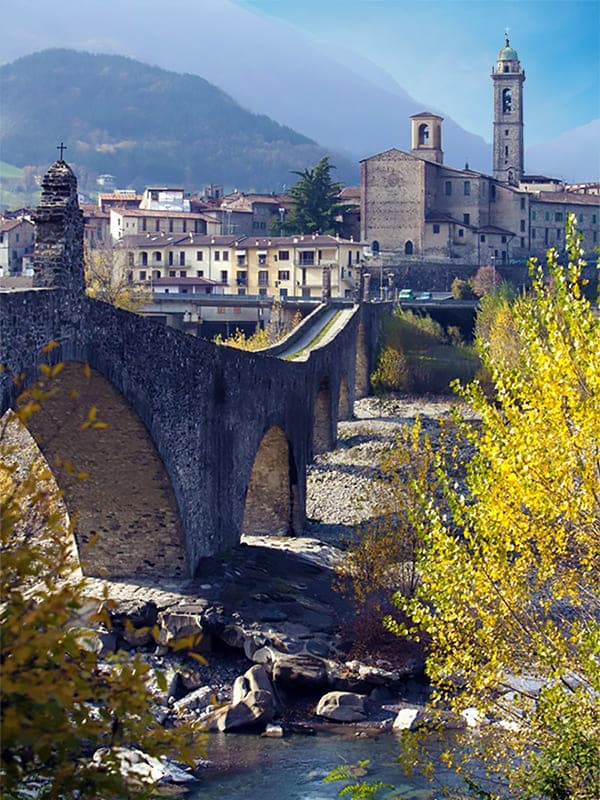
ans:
x=315 y=198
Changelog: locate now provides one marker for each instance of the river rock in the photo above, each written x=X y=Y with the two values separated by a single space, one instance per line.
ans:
x=181 y=623
x=194 y=701
x=301 y=671
x=140 y=613
x=342 y=706
x=412 y=718
x=257 y=708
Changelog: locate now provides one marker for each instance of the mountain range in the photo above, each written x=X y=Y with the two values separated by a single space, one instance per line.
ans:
x=336 y=98
x=144 y=125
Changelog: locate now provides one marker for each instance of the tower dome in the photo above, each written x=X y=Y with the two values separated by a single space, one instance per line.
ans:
x=508 y=53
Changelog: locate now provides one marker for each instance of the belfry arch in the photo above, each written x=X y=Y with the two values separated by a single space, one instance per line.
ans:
x=126 y=517
x=272 y=490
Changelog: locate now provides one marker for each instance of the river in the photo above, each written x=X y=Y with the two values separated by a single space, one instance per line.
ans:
x=293 y=768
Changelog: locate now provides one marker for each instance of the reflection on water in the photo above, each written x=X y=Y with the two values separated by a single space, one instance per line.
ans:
x=256 y=768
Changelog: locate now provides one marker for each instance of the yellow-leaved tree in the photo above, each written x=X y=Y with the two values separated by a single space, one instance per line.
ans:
x=509 y=596
x=108 y=279
x=66 y=714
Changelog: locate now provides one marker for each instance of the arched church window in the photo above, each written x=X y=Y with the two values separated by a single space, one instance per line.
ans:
x=423 y=134
x=408 y=248
x=375 y=247
x=506 y=100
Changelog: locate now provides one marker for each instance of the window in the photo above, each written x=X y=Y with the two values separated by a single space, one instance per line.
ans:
x=224 y=276
x=170 y=226
x=547 y=216
x=504 y=240
x=557 y=234
x=262 y=292
x=263 y=277
x=467 y=187
x=17 y=237
x=182 y=273
x=448 y=188
x=436 y=228
x=522 y=225
x=130 y=258
x=157 y=256
x=283 y=293
x=594 y=219
x=283 y=255
x=283 y=275
x=184 y=226
x=482 y=237
x=199 y=255
x=241 y=260
x=493 y=193
x=580 y=218
x=144 y=223
x=423 y=134
x=144 y=258
x=182 y=258
x=534 y=215
x=262 y=259
x=461 y=233
x=225 y=255
x=142 y=274
x=157 y=225
x=522 y=204
x=172 y=273
x=307 y=258
x=408 y=248
x=506 y=101
x=241 y=278
x=467 y=219
x=533 y=233
x=130 y=277
x=241 y=291
x=199 y=273
x=522 y=242
x=217 y=255
x=506 y=131
x=595 y=236
x=170 y=258
x=156 y=273
x=558 y=216
x=506 y=151
x=197 y=226
x=357 y=259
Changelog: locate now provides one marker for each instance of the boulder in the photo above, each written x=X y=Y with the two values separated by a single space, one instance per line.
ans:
x=181 y=623
x=273 y=731
x=194 y=701
x=342 y=707
x=256 y=709
x=140 y=613
x=301 y=671
x=412 y=718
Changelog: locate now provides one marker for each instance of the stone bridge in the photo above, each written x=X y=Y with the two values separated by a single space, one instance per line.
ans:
x=203 y=443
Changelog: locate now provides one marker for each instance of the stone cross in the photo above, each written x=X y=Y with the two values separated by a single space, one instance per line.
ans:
x=62 y=147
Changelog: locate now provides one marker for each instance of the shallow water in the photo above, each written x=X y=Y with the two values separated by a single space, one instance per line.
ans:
x=257 y=768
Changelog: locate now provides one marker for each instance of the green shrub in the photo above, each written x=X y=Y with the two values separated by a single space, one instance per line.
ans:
x=392 y=372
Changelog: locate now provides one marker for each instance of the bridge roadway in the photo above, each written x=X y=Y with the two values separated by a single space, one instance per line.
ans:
x=318 y=332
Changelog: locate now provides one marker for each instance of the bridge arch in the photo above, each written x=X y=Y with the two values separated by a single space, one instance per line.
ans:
x=126 y=517
x=344 y=410
x=323 y=438
x=272 y=492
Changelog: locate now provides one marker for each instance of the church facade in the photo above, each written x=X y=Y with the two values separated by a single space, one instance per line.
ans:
x=416 y=208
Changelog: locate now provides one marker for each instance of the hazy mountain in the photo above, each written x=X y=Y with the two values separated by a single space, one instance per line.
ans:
x=266 y=65
x=144 y=125
x=574 y=156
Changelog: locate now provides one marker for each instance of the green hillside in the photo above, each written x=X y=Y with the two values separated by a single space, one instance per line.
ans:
x=144 y=125
x=9 y=170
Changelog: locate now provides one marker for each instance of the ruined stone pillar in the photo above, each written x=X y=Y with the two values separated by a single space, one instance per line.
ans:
x=58 y=249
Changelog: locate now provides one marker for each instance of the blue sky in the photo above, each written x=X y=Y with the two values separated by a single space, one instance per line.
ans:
x=441 y=51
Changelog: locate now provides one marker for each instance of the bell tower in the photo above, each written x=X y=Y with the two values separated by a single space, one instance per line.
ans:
x=508 y=79
x=426 y=136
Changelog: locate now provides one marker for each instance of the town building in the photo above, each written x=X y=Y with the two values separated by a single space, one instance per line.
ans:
x=16 y=246
x=140 y=221
x=416 y=209
x=279 y=266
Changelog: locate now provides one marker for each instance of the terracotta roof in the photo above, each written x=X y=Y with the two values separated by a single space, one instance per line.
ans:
x=153 y=214
x=8 y=224
x=148 y=240
x=425 y=114
x=495 y=229
x=567 y=198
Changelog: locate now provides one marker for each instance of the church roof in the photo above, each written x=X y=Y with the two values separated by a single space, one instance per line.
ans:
x=508 y=53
